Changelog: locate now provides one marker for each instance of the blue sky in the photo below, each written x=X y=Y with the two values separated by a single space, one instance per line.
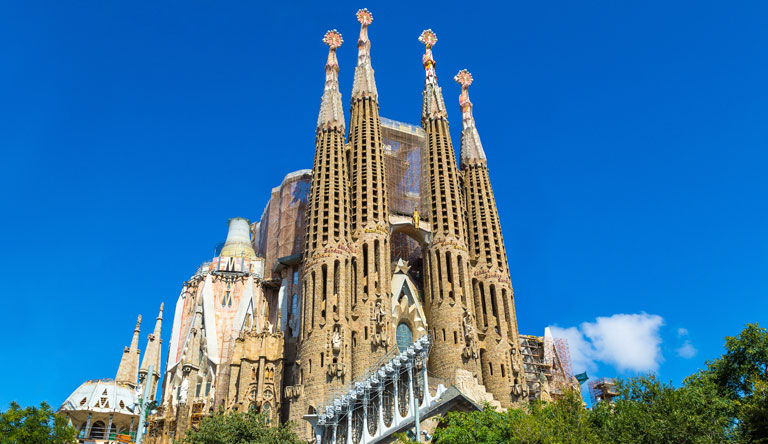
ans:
x=626 y=142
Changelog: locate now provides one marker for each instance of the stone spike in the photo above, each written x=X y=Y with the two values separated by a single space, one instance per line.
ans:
x=433 y=106
x=471 y=148
x=331 y=113
x=128 y=370
x=364 y=85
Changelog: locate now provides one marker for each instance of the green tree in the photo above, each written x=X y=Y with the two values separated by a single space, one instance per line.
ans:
x=649 y=411
x=241 y=428
x=34 y=425
x=741 y=374
x=564 y=421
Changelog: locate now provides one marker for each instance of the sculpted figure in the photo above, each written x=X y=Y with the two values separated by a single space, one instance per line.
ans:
x=336 y=340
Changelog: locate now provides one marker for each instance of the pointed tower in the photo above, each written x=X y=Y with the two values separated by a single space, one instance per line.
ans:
x=369 y=215
x=152 y=357
x=449 y=307
x=502 y=363
x=128 y=371
x=324 y=354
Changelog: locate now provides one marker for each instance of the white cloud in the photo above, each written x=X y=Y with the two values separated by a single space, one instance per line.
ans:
x=625 y=341
x=687 y=350
x=682 y=332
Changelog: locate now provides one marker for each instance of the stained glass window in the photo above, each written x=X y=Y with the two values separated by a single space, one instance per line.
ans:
x=404 y=336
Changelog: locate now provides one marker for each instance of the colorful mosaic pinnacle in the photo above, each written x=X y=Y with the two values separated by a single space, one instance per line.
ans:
x=333 y=39
x=365 y=17
x=464 y=78
x=428 y=38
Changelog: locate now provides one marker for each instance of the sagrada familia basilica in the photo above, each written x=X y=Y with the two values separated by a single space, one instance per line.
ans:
x=372 y=296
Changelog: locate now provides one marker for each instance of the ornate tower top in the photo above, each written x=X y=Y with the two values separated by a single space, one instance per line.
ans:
x=433 y=106
x=472 y=152
x=331 y=114
x=364 y=84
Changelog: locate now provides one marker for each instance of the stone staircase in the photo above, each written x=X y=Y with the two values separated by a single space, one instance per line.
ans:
x=467 y=384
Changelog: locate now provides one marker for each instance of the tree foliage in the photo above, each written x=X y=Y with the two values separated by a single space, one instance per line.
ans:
x=241 y=428
x=725 y=403
x=741 y=375
x=34 y=425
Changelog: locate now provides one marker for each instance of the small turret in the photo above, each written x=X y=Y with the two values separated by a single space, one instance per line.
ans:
x=128 y=371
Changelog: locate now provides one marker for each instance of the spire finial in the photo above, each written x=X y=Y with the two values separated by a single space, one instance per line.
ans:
x=472 y=152
x=429 y=38
x=433 y=106
x=365 y=17
x=464 y=78
x=333 y=39
x=331 y=114
x=364 y=84
x=138 y=323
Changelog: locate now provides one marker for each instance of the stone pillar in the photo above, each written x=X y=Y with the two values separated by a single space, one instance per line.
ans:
x=88 y=426
x=380 y=388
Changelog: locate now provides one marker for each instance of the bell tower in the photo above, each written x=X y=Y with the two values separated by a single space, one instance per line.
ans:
x=324 y=355
x=370 y=289
x=449 y=307
x=502 y=364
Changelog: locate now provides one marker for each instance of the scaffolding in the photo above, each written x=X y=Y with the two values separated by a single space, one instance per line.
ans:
x=402 y=144
x=603 y=389
x=547 y=365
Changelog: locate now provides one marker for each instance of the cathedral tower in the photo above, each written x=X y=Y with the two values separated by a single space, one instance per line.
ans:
x=491 y=287
x=129 y=364
x=370 y=286
x=450 y=311
x=324 y=354
x=152 y=356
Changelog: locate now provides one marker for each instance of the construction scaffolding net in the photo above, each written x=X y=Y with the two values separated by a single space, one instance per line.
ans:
x=281 y=230
x=402 y=144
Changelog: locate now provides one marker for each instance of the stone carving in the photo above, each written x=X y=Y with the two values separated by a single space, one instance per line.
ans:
x=336 y=340
x=294 y=391
x=184 y=390
x=380 y=327
x=470 y=349
x=336 y=369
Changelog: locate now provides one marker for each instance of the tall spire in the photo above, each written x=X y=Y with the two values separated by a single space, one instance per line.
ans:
x=364 y=84
x=129 y=364
x=152 y=356
x=433 y=106
x=331 y=113
x=471 y=148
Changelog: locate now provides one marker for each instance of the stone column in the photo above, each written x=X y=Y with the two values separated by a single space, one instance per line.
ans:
x=396 y=412
x=365 y=433
x=380 y=388
x=88 y=427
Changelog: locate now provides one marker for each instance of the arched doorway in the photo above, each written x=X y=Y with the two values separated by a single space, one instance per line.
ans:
x=97 y=430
